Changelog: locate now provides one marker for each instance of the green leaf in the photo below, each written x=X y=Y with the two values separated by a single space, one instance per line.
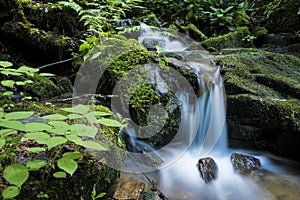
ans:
x=8 y=93
x=91 y=40
x=68 y=165
x=60 y=174
x=16 y=174
x=91 y=117
x=18 y=115
x=81 y=109
x=8 y=83
x=74 y=116
x=46 y=74
x=8 y=132
x=74 y=138
x=84 y=130
x=55 y=141
x=16 y=125
x=10 y=192
x=73 y=155
x=28 y=69
x=5 y=64
x=10 y=72
x=37 y=136
x=20 y=83
x=55 y=117
x=37 y=126
x=36 y=149
x=95 y=145
x=69 y=109
x=2 y=143
x=59 y=127
x=35 y=165
x=109 y=122
x=102 y=194
x=84 y=47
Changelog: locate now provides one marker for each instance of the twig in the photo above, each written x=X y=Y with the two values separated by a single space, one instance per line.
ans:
x=56 y=63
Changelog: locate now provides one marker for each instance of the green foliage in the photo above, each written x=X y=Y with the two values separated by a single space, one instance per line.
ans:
x=213 y=17
x=101 y=17
x=50 y=137
x=94 y=195
x=13 y=79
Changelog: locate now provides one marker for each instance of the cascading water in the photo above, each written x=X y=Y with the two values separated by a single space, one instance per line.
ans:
x=202 y=134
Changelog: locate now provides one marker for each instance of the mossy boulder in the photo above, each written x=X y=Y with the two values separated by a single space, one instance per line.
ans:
x=263 y=99
x=229 y=40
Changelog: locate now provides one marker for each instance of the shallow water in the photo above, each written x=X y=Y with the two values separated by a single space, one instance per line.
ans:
x=278 y=179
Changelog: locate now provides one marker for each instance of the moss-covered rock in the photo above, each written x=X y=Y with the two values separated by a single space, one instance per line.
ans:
x=230 y=40
x=263 y=99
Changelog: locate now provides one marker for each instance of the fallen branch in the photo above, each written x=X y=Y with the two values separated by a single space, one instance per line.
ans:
x=56 y=63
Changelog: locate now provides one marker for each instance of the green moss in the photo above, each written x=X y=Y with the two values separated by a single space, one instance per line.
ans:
x=44 y=88
x=233 y=39
x=271 y=74
x=261 y=32
x=197 y=34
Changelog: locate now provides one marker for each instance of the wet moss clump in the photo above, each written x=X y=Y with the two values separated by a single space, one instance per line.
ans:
x=263 y=105
x=230 y=40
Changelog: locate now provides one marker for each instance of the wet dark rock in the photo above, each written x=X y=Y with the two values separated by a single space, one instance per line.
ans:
x=151 y=196
x=130 y=191
x=208 y=169
x=244 y=164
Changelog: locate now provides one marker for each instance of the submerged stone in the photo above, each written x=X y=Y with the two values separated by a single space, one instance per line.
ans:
x=208 y=169
x=130 y=190
x=244 y=164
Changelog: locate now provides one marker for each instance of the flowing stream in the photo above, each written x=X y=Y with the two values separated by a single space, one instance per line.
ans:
x=203 y=134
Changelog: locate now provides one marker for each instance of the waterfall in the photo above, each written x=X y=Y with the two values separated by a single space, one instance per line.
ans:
x=202 y=133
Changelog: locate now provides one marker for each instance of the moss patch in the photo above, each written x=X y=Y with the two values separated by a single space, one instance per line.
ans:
x=229 y=40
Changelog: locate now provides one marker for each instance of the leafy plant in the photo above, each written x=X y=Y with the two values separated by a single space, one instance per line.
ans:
x=77 y=128
x=94 y=193
x=12 y=79
x=101 y=17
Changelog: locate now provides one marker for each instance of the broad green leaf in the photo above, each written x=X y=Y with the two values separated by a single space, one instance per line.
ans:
x=2 y=143
x=7 y=132
x=91 y=39
x=46 y=74
x=102 y=194
x=59 y=127
x=28 y=82
x=8 y=93
x=68 y=165
x=55 y=141
x=11 y=73
x=84 y=47
x=37 y=126
x=16 y=125
x=60 y=175
x=95 y=145
x=109 y=122
x=55 y=117
x=84 y=130
x=37 y=136
x=74 y=138
x=18 y=115
x=35 y=165
x=28 y=69
x=10 y=192
x=74 y=116
x=69 y=109
x=36 y=149
x=100 y=113
x=5 y=64
x=8 y=83
x=81 y=109
x=16 y=174
x=72 y=155
x=1 y=112
x=20 y=83
x=91 y=117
